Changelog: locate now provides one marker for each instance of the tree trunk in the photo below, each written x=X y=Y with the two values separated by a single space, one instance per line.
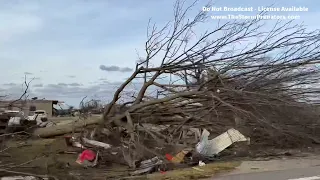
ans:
x=64 y=129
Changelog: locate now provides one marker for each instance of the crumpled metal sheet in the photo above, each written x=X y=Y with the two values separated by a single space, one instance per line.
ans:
x=147 y=166
x=214 y=146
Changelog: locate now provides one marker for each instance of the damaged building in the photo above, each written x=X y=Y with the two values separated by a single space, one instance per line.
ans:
x=28 y=106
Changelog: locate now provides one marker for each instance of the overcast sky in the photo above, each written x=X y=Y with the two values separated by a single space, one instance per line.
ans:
x=80 y=48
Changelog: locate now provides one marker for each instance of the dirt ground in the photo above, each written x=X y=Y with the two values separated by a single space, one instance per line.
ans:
x=48 y=156
x=45 y=156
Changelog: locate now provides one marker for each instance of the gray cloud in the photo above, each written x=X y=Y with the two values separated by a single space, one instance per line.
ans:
x=115 y=68
x=10 y=84
x=62 y=84
x=55 y=85
x=15 y=91
x=75 y=84
x=74 y=92
x=62 y=91
x=38 y=85
x=28 y=73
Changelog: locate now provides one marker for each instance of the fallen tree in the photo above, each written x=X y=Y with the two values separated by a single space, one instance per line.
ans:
x=73 y=126
x=240 y=70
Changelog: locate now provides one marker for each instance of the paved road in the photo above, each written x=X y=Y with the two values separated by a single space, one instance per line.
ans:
x=311 y=173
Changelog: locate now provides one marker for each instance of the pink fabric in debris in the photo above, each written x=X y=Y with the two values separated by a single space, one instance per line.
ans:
x=87 y=155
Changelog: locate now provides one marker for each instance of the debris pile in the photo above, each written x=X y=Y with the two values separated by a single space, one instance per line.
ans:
x=12 y=121
x=148 y=157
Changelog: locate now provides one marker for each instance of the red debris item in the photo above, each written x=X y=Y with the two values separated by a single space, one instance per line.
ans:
x=169 y=157
x=86 y=155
